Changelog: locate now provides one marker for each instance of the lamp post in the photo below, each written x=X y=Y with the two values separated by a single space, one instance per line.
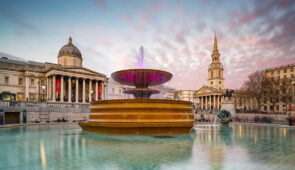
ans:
x=91 y=96
x=43 y=88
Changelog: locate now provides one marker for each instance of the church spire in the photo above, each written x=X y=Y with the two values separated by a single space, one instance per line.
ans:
x=215 y=49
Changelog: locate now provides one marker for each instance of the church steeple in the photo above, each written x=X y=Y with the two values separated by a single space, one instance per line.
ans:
x=215 y=53
x=215 y=49
x=215 y=70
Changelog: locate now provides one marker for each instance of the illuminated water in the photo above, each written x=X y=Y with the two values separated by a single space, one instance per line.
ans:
x=66 y=147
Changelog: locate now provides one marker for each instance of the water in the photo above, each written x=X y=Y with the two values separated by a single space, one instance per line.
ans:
x=215 y=118
x=141 y=58
x=215 y=148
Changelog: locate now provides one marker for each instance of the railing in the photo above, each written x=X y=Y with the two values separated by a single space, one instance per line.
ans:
x=44 y=106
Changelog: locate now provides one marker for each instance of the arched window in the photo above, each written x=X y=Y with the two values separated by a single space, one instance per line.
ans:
x=211 y=74
x=219 y=74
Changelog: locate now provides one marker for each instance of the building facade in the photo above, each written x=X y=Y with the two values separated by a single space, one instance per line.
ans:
x=115 y=90
x=68 y=81
x=186 y=95
x=284 y=78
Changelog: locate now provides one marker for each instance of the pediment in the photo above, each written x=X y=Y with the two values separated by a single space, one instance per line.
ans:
x=83 y=71
x=205 y=89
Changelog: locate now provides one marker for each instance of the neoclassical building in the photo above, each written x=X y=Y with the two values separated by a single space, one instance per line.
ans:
x=67 y=81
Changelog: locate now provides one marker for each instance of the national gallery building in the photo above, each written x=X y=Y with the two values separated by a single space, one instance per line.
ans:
x=68 y=81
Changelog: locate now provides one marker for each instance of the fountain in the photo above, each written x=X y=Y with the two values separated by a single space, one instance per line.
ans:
x=140 y=115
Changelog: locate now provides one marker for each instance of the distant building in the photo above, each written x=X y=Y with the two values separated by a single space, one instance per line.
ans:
x=186 y=95
x=115 y=90
x=285 y=100
x=67 y=81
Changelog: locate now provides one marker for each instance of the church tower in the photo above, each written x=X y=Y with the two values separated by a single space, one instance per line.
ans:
x=215 y=70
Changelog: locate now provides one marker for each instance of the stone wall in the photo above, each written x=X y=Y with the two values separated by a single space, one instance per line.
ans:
x=250 y=117
x=47 y=111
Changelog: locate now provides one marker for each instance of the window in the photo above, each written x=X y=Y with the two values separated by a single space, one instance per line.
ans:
x=32 y=82
x=119 y=91
x=278 y=71
x=285 y=71
x=6 y=80
x=291 y=69
x=277 y=107
x=272 y=79
x=272 y=72
x=292 y=75
x=285 y=76
x=219 y=74
x=211 y=74
x=265 y=108
x=113 y=90
x=211 y=82
x=270 y=99
x=219 y=82
x=20 y=96
x=278 y=78
x=20 y=81
x=271 y=108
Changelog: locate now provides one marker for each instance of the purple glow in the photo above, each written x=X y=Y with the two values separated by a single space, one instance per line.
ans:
x=141 y=77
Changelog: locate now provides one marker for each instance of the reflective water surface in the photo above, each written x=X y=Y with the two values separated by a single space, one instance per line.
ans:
x=207 y=147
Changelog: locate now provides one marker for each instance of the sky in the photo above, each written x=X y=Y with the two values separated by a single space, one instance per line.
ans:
x=177 y=36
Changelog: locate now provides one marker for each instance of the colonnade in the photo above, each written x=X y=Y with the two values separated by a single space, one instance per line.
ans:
x=211 y=101
x=74 y=89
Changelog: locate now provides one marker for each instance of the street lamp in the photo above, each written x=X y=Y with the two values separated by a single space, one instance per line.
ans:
x=91 y=95
x=43 y=88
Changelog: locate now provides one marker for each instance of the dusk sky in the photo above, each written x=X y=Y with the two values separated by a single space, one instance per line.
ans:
x=177 y=36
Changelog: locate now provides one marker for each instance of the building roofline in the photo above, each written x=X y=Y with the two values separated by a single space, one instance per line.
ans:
x=279 y=67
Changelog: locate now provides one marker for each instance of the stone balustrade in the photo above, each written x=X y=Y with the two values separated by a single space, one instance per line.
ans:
x=18 y=106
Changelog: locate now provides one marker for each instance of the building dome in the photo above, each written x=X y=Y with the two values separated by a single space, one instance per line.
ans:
x=70 y=50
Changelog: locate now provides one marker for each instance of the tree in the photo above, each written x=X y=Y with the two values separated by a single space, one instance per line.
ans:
x=286 y=93
x=254 y=87
x=271 y=92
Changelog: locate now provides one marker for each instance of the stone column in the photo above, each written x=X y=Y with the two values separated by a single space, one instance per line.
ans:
x=61 y=88
x=77 y=90
x=214 y=102
x=210 y=100
x=217 y=102
x=83 y=91
x=102 y=91
x=201 y=102
x=47 y=84
x=53 y=87
x=27 y=88
x=90 y=89
x=206 y=101
x=96 y=90
x=69 y=90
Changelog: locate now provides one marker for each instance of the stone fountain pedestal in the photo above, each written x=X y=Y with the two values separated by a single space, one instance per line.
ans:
x=229 y=106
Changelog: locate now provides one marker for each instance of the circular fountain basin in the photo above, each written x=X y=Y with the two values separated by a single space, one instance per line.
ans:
x=140 y=116
x=141 y=78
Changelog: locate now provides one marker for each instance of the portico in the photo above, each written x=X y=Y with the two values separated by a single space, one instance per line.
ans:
x=69 y=86
x=209 y=98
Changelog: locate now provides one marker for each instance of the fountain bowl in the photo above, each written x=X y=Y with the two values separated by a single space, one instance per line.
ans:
x=140 y=116
x=141 y=78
